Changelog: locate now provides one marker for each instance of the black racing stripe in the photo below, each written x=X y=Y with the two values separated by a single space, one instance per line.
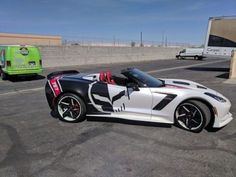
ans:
x=101 y=89
x=168 y=98
x=118 y=96
x=181 y=82
x=106 y=108
x=201 y=87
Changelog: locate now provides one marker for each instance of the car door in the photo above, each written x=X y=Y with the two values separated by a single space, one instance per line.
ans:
x=100 y=97
x=121 y=101
x=131 y=103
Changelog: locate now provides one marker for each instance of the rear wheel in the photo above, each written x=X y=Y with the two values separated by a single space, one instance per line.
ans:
x=192 y=115
x=71 y=108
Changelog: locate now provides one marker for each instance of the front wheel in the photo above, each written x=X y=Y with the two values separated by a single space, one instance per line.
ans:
x=192 y=115
x=71 y=108
x=200 y=58
x=4 y=76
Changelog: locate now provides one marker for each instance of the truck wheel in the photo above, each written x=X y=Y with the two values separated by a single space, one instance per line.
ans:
x=3 y=75
x=199 y=58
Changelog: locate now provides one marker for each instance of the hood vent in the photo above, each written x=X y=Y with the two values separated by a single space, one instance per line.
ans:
x=201 y=87
x=181 y=83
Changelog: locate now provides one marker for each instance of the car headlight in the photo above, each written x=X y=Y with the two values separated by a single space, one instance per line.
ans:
x=218 y=98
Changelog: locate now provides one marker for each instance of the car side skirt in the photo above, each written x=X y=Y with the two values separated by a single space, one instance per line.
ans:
x=131 y=116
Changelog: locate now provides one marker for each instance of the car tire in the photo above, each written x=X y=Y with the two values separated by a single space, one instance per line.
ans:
x=192 y=115
x=70 y=108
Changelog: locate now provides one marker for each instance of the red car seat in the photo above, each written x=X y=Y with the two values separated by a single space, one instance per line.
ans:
x=109 y=78
x=102 y=76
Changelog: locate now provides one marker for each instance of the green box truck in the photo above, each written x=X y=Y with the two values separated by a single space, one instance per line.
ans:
x=19 y=60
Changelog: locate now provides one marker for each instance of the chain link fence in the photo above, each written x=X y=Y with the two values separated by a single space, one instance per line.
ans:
x=96 y=41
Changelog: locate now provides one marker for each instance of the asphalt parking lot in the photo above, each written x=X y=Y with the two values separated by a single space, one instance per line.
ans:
x=34 y=144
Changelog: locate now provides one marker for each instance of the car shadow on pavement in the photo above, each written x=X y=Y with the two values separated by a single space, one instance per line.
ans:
x=190 y=58
x=208 y=128
x=128 y=122
x=133 y=122
x=211 y=129
x=25 y=78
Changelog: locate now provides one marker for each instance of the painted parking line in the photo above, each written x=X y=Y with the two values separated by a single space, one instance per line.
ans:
x=186 y=66
x=150 y=72
x=22 y=91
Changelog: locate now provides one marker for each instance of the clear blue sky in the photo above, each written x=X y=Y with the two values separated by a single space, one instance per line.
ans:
x=179 y=20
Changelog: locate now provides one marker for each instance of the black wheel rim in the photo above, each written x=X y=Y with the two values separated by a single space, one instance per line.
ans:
x=69 y=108
x=189 y=116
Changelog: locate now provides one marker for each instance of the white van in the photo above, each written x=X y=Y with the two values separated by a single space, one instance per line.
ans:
x=196 y=53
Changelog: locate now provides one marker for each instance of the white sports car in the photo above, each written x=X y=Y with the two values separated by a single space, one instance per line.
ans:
x=136 y=96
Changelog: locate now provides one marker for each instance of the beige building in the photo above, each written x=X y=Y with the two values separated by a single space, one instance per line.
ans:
x=28 y=39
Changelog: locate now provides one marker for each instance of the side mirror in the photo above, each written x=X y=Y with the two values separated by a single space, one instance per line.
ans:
x=133 y=86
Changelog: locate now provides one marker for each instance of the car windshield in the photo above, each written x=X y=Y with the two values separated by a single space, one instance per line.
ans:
x=183 y=51
x=144 y=78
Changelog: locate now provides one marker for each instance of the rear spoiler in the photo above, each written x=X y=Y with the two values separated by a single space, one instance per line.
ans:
x=58 y=73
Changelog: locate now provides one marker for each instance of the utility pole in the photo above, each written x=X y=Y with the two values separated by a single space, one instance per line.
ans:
x=166 y=42
x=114 y=40
x=162 y=40
x=141 y=39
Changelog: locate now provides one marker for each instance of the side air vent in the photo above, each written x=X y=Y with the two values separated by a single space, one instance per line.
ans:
x=180 y=82
x=201 y=87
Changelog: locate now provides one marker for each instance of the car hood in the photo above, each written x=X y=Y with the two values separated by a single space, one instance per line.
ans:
x=189 y=84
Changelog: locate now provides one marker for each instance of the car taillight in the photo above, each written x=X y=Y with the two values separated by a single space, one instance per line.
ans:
x=8 y=63
x=40 y=62
x=54 y=85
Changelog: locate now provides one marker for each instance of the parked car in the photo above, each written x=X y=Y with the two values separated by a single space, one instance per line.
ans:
x=19 y=60
x=196 y=53
x=136 y=96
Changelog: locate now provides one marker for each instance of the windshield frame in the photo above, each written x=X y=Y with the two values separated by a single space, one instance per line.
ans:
x=141 y=78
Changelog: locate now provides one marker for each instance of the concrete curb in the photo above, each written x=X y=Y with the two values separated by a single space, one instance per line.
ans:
x=230 y=81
